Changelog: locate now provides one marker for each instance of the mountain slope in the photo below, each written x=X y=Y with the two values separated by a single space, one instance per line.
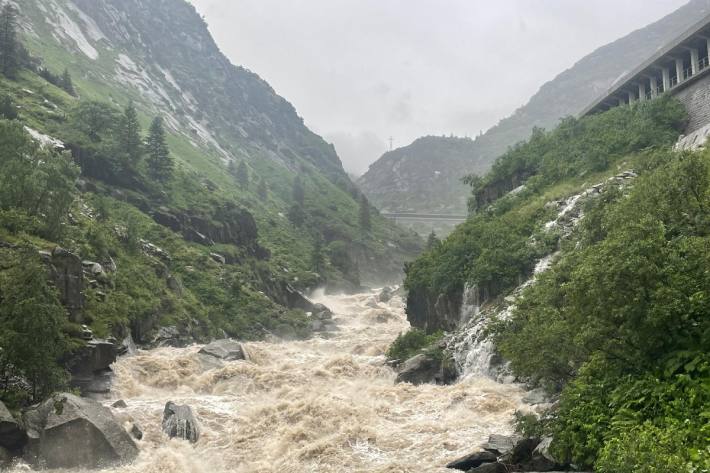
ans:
x=160 y=55
x=567 y=94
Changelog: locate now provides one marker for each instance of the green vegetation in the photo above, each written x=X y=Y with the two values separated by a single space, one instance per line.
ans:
x=618 y=327
x=413 y=342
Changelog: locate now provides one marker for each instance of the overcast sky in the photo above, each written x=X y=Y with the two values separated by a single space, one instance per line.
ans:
x=360 y=71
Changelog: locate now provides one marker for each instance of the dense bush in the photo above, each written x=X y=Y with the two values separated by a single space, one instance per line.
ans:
x=410 y=343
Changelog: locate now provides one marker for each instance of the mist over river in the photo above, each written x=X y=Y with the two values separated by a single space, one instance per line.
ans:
x=328 y=404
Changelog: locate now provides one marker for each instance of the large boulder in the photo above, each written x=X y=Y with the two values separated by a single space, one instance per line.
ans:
x=227 y=350
x=427 y=368
x=472 y=460
x=500 y=444
x=180 y=422
x=67 y=431
x=12 y=436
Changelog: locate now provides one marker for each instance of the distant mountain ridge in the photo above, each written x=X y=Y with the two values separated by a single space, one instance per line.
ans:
x=567 y=94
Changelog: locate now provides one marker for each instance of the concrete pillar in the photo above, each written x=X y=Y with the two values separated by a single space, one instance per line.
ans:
x=654 y=87
x=708 y=42
x=666 y=79
x=679 y=69
x=642 y=91
x=632 y=97
x=621 y=101
x=694 y=61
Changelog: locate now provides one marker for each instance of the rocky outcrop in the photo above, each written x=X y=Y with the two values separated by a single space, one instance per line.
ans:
x=225 y=350
x=90 y=367
x=180 y=422
x=68 y=276
x=12 y=435
x=228 y=224
x=67 y=431
x=432 y=312
x=427 y=368
x=508 y=454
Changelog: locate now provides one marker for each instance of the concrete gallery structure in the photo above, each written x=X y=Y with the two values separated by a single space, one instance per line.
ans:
x=681 y=69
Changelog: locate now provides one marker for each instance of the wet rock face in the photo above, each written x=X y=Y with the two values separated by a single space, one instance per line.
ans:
x=434 y=312
x=68 y=276
x=70 y=432
x=12 y=436
x=180 y=422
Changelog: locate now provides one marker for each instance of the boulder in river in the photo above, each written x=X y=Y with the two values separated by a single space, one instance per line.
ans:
x=179 y=422
x=12 y=436
x=472 y=460
x=227 y=350
x=70 y=432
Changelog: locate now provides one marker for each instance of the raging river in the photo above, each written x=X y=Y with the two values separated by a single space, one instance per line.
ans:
x=328 y=404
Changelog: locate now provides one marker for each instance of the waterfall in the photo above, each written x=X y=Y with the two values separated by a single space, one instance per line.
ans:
x=473 y=351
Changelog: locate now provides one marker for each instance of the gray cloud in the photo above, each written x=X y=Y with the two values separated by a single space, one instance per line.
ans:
x=407 y=68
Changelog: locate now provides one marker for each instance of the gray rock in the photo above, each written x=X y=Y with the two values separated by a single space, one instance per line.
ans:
x=535 y=397
x=90 y=367
x=136 y=432
x=167 y=336
x=472 y=460
x=179 y=422
x=12 y=436
x=490 y=468
x=426 y=368
x=542 y=459
x=227 y=350
x=127 y=346
x=218 y=258
x=120 y=404
x=67 y=431
x=500 y=444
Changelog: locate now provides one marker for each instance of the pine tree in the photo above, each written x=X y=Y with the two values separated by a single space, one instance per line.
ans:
x=7 y=108
x=243 y=175
x=160 y=163
x=365 y=221
x=433 y=241
x=296 y=215
x=299 y=193
x=67 y=83
x=9 y=61
x=317 y=256
x=261 y=190
x=130 y=136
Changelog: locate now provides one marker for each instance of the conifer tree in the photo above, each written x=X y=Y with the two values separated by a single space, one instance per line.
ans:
x=299 y=193
x=67 y=83
x=7 y=108
x=160 y=162
x=261 y=190
x=130 y=137
x=243 y=175
x=9 y=60
x=317 y=256
x=433 y=241
x=365 y=221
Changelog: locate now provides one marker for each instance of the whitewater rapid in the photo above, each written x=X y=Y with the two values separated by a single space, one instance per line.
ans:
x=328 y=404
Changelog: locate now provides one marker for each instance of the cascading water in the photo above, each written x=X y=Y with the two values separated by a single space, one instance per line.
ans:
x=328 y=404
x=473 y=351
